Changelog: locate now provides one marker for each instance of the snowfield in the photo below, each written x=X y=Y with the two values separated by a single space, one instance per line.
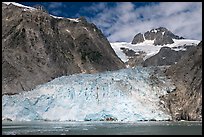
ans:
x=148 y=47
x=123 y=95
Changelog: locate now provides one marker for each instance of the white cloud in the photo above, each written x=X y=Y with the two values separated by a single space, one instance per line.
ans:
x=95 y=7
x=56 y=8
x=56 y=12
x=55 y=5
x=123 y=21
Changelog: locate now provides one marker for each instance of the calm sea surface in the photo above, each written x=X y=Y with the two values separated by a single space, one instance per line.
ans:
x=102 y=128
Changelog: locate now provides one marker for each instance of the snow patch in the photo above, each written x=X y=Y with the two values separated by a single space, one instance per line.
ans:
x=67 y=30
x=75 y=20
x=154 y=30
x=56 y=17
x=19 y=5
x=117 y=48
x=85 y=28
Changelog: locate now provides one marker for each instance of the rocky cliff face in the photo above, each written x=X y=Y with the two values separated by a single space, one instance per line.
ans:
x=138 y=38
x=186 y=102
x=37 y=47
x=161 y=36
x=166 y=56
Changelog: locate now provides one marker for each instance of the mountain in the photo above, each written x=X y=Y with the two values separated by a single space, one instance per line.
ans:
x=166 y=56
x=161 y=36
x=186 y=102
x=41 y=54
x=38 y=47
x=157 y=47
x=147 y=54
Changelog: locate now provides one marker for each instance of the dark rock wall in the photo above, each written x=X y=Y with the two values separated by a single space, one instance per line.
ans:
x=37 y=48
x=166 y=56
x=186 y=102
x=138 y=38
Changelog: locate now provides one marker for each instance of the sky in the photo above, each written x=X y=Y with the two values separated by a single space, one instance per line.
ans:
x=121 y=21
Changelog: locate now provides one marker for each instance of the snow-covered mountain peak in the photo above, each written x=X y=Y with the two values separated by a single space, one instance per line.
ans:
x=147 y=48
x=160 y=29
x=161 y=36
x=144 y=46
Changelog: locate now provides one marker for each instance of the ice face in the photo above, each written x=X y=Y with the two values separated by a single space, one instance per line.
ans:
x=123 y=95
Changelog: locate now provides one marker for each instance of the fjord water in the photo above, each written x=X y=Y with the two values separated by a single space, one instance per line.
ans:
x=102 y=128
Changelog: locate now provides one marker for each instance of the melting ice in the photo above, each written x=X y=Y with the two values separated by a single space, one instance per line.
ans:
x=123 y=95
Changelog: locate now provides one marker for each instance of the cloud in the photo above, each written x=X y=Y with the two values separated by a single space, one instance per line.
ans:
x=123 y=20
x=95 y=7
x=55 y=5
x=56 y=12
x=56 y=8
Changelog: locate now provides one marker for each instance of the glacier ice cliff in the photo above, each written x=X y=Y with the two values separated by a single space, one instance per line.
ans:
x=125 y=95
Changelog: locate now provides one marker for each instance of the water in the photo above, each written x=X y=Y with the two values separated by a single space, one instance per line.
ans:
x=102 y=128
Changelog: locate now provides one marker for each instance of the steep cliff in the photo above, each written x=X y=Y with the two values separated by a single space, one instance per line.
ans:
x=37 y=47
x=186 y=102
x=165 y=56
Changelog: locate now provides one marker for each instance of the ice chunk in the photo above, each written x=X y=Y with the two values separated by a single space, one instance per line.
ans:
x=101 y=116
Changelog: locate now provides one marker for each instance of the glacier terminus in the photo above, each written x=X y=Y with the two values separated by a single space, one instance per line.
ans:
x=130 y=94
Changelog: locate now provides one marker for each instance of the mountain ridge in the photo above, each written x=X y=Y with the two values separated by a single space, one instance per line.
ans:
x=37 y=47
x=161 y=36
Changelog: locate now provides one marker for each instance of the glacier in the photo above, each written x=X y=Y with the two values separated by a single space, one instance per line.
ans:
x=149 y=48
x=130 y=94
